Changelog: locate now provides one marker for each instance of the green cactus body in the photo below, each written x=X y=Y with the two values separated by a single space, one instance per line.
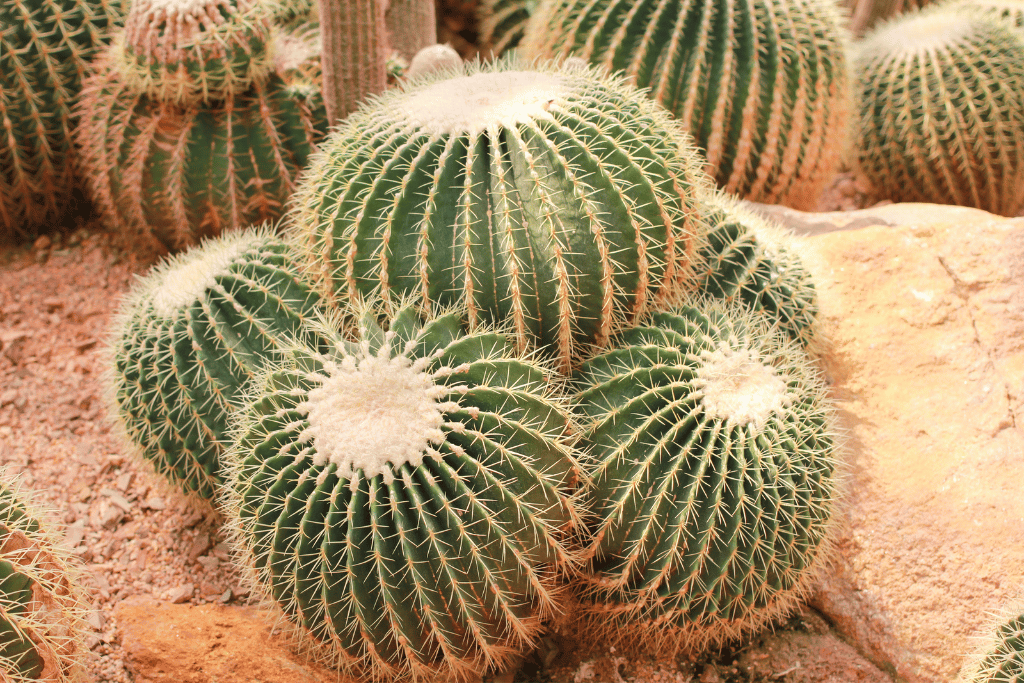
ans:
x=1003 y=658
x=42 y=604
x=559 y=199
x=187 y=339
x=711 y=448
x=761 y=85
x=406 y=498
x=942 y=110
x=1011 y=11
x=503 y=23
x=44 y=50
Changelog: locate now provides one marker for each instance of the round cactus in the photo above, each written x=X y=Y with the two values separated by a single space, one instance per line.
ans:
x=761 y=85
x=405 y=497
x=188 y=337
x=559 y=199
x=1003 y=658
x=42 y=604
x=1011 y=11
x=503 y=22
x=942 y=110
x=712 y=454
x=44 y=49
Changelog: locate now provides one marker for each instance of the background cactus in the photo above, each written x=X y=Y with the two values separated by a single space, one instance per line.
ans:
x=44 y=49
x=560 y=200
x=712 y=453
x=1008 y=10
x=503 y=23
x=1002 y=660
x=761 y=85
x=405 y=497
x=42 y=604
x=188 y=337
x=942 y=110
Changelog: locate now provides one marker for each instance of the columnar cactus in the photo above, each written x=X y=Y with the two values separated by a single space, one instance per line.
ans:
x=405 y=497
x=188 y=337
x=942 y=110
x=1002 y=661
x=42 y=604
x=44 y=49
x=761 y=85
x=558 y=199
x=712 y=454
x=503 y=23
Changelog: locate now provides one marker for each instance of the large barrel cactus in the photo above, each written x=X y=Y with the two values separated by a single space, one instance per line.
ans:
x=187 y=339
x=761 y=85
x=942 y=109
x=45 y=46
x=503 y=23
x=712 y=453
x=406 y=497
x=560 y=200
x=42 y=603
x=199 y=125
x=1002 y=660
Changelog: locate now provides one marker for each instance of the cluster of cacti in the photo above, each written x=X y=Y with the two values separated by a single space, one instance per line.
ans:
x=405 y=495
x=761 y=85
x=713 y=461
x=1002 y=661
x=42 y=604
x=44 y=49
x=503 y=23
x=942 y=109
x=198 y=120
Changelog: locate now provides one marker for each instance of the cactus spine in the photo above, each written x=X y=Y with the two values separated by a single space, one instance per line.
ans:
x=560 y=200
x=188 y=337
x=761 y=85
x=712 y=457
x=405 y=496
x=942 y=110
x=1003 y=658
x=1011 y=11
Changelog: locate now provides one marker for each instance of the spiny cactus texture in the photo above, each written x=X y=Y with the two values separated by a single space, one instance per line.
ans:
x=558 y=199
x=1011 y=11
x=761 y=85
x=405 y=497
x=1003 y=659
x=45 y=46
x=188 y=337
x=184 y=170
x=503 y=22
x=42 y=604
x=942 y=110
x=713 y=456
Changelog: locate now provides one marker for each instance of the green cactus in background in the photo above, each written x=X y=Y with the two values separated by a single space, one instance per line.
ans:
x=188 y=337
x=558 y=199
x=44 y=49
x=1011 y=11
x=712 y=455
x=1002 y=661
x=42 y=604
x=503 y=23
x=942 y=110
x=406 y=497
x=761 y=85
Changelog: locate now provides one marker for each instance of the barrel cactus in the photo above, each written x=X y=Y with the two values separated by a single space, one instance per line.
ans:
x=42 y=603
x=761 y=85
x=187 y=339
x=1002 y=660
x=558 y=199
x=503 y=23
x=1011 y=11
x=405 y=497
x=182 y=149
x=942 y=110
x=712 y=453
x=44 y=49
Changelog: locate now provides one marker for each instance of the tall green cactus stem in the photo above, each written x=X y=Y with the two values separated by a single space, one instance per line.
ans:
x=45 y=46
x=942 y=110
x=761 y=85
x=42 y=604
x=713 y=456
x=558 y=199
x=503 y=23
x=406 y=497
x=1002 y=660
x=188 y=337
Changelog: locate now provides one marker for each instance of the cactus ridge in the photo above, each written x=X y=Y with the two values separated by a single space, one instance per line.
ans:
x=503 y=23
x=1002 y=660
x=761 y=85
x=711 y=448
x=429 y=552
x=557 y=199
x=1011 y=11
x=187 y=339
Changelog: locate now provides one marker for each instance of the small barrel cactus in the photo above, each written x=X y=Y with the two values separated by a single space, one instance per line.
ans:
x=1002 y=660
x=42 y=604
x=503 y=23
x=761 y=85
x=710 y=444
x=188 y=337
x=406 y=497
x=558 y=199
x=942 y=110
